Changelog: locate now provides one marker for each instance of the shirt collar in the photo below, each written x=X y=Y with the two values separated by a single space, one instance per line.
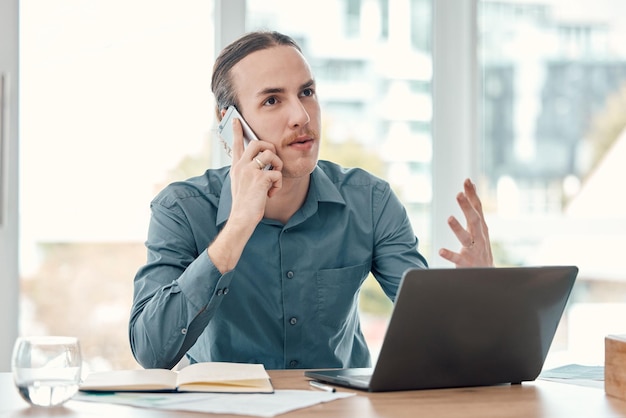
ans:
x=321 y=189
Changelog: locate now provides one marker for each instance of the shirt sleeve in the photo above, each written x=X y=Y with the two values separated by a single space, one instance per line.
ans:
x=175 y=294
x=395 y=243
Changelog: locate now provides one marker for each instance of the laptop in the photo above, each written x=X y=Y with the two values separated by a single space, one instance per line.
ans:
x=465 y=327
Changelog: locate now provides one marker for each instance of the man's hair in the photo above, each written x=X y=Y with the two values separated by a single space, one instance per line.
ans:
x=221 y=82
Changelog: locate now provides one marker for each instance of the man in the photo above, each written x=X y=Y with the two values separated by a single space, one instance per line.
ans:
x=265 y=266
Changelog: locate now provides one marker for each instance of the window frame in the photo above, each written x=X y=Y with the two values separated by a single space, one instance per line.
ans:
x=9 y=177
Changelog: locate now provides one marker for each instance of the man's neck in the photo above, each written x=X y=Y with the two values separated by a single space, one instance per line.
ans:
x=288 y=200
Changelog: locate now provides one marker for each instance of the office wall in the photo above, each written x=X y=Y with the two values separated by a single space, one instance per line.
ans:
x=8 y=179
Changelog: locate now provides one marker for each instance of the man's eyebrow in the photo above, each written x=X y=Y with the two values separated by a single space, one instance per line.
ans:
x=308 y=84
x=270 y=90
x=274 y=90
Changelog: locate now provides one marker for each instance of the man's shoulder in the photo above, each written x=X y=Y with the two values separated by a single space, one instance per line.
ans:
x=207 y=185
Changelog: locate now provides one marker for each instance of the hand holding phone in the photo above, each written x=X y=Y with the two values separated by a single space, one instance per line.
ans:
x=225 y=128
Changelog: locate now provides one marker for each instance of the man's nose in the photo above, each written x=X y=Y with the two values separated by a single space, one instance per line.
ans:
x=299 y=115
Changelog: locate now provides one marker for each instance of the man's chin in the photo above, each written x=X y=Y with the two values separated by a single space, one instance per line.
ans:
x=299 y=170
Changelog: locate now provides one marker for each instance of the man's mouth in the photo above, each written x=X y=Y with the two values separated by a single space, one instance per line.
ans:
x=301 y=140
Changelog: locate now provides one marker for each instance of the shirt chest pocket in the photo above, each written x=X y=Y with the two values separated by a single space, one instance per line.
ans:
x=337 y=293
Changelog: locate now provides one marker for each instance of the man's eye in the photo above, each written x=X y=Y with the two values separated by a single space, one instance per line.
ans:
x=271 y=101
x=308 y=92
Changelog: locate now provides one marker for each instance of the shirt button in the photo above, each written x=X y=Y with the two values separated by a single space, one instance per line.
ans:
x=219 y=292
x=183 y=331
x=290 y=274
x=293 y=321
x=293 y=363
x=225 y=290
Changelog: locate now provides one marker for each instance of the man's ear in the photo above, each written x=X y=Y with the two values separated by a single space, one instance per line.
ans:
x=219 y=114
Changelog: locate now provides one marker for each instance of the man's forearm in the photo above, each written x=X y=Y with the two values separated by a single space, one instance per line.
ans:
x=167 y=320
x=229 y=244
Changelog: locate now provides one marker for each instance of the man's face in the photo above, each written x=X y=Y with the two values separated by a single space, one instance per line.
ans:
x=277 y=97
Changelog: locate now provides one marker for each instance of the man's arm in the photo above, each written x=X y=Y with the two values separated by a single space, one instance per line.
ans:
x=395 y=243
x=179 y=289
x=175 y=294
x=250 y=188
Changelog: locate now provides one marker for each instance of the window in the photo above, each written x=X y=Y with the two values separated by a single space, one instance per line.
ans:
x=115 y=103
x=554 y=110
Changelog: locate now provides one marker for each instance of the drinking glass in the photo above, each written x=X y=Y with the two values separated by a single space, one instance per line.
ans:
x=46 y=370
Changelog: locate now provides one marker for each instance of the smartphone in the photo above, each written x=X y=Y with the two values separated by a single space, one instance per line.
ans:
x=225 y=128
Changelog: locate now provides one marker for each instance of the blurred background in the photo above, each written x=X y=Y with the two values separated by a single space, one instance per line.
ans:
x=115 y=103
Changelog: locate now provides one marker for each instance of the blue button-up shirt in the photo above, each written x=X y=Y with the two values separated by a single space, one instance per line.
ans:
x=292 y=299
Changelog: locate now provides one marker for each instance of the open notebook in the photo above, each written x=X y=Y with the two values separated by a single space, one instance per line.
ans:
x=198 y=377
x=465 y=327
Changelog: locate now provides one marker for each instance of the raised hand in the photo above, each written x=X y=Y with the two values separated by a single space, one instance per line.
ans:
x=474 y=238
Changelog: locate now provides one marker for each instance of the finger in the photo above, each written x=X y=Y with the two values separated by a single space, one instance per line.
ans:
x=465 y=237
x=464 y=258
x=466 y=206
x=268 y=157
x=472 y=197
x=277 y=182
x=260 y=164
x=470 y=190
x=473 y=219
x=451 y=256
x=238 y=147
x=254 y=148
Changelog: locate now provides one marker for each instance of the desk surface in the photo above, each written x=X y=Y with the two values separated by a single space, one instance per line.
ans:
x=531 y=399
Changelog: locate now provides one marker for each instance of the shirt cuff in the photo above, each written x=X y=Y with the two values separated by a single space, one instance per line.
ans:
x=201 y=281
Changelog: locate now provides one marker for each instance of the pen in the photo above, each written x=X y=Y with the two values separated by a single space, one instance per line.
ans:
x=321 y=386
